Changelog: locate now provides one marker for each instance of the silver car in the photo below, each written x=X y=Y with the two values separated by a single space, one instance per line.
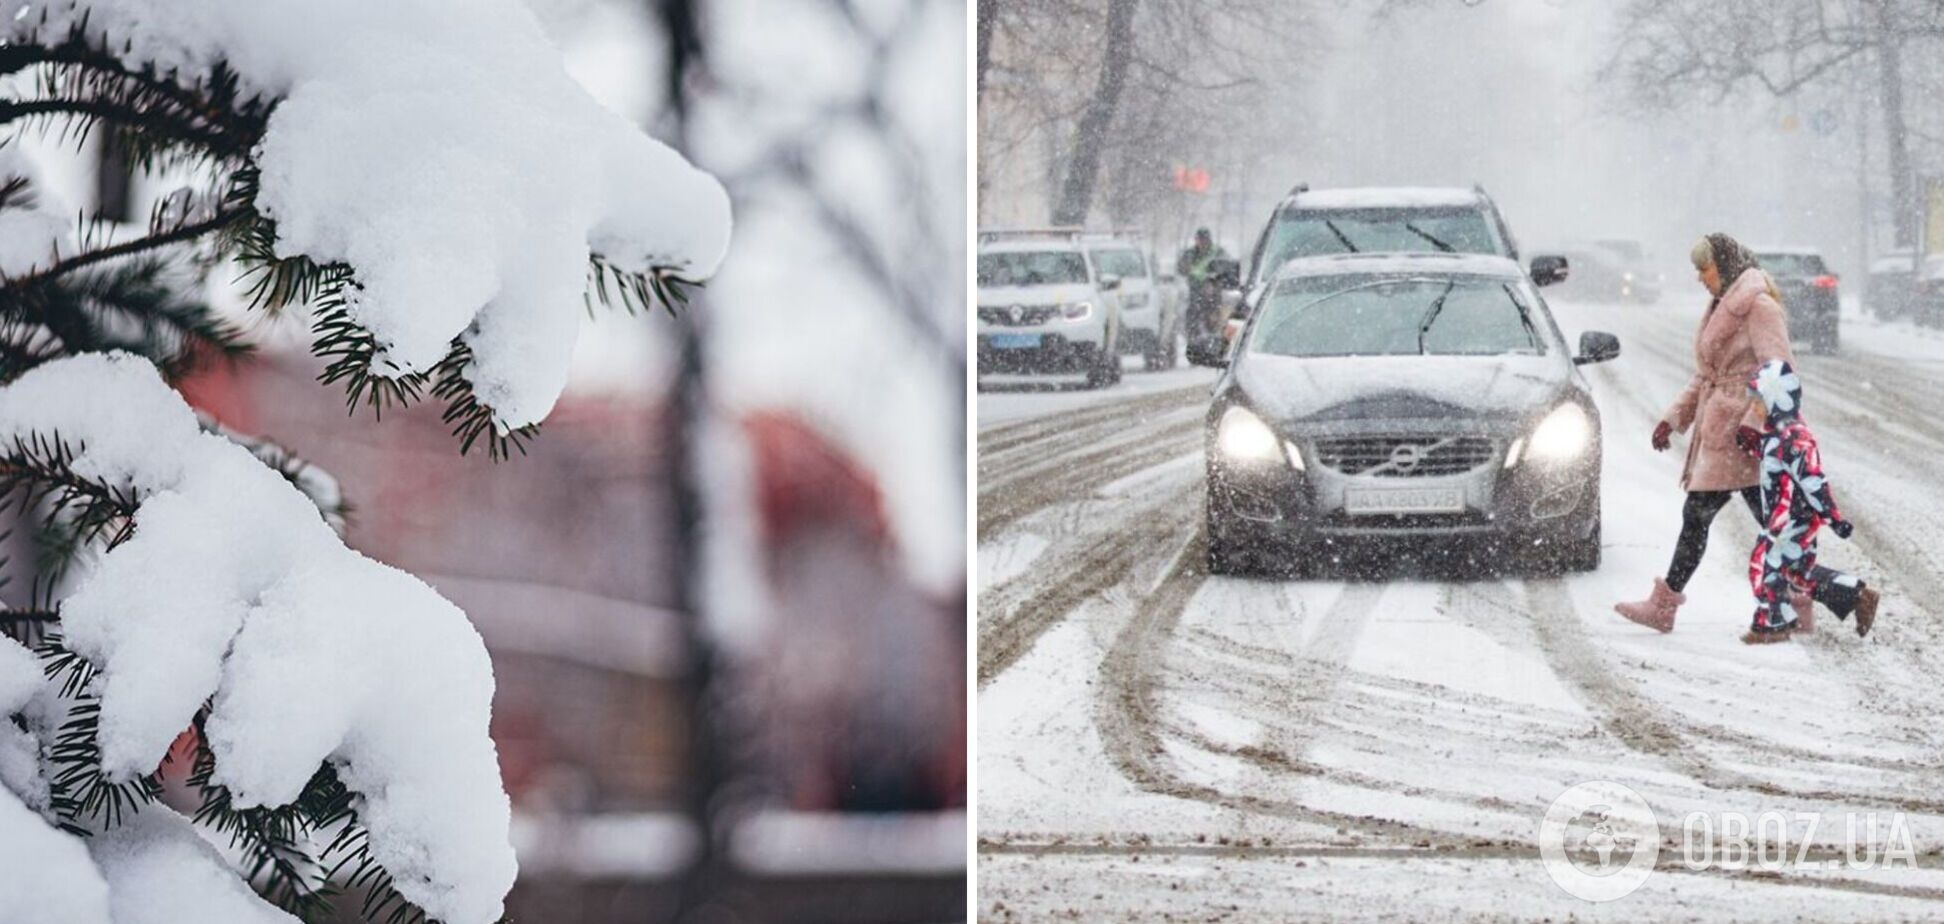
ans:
x=1387 y=397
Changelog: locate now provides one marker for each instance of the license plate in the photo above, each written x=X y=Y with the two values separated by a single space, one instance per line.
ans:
x=1014 y=341
x=1368 y=501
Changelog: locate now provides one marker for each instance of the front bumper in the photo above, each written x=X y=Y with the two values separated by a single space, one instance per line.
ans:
x=1533 y=501
x=1056 y=352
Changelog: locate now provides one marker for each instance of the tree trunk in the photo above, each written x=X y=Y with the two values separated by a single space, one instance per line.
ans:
x=1076 y=194
x=1903 y=198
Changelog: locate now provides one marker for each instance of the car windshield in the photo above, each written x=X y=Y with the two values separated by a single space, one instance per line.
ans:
x=1031 y=268
x=1792 y=264
x=1393 y=316
x=1123 y=263
x=1301 y=233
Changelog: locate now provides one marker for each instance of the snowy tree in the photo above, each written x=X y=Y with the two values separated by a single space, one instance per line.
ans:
x=1668 y=52
x=423 y=179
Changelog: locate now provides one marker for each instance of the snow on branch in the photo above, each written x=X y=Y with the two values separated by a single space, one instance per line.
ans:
x=426 y=165
x=231 y=590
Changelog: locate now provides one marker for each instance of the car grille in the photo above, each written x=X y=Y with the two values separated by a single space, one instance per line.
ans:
x=1404 y=456
x=1029 y=315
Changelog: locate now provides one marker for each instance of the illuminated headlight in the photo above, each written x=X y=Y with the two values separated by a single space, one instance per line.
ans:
x=1562 y=437
x=1628 y=277
x=1077 y=311
x=1243 y=437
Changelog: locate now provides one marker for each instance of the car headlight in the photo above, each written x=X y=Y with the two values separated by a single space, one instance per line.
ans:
x=1243 y=437
x=1563 y=436
x=1076 y=311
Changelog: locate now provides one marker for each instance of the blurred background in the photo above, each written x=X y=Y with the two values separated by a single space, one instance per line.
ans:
x=724 y=592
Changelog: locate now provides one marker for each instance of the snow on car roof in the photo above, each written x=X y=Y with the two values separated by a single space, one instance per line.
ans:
x=1377 y=197
x=1471 y=264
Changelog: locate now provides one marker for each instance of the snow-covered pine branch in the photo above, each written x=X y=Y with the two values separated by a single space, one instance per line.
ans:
x=424 y=176
x=233 y=606
x=425 y=170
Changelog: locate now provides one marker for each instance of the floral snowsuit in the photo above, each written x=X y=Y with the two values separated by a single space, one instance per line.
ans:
x=1796 y=503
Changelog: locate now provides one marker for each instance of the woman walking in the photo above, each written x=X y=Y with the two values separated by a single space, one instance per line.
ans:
x=1743 y=328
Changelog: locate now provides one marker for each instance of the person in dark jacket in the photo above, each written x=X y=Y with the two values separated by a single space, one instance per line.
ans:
x=1796 y=504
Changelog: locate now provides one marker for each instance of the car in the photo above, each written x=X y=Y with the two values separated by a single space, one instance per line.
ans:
x=1403 y=397
x=1150 y=309
x=1894 y=288
x=1809 y=294
x=1314 y=222
x=1044 y=307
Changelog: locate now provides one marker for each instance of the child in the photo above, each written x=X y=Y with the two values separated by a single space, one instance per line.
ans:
x=1796 y=502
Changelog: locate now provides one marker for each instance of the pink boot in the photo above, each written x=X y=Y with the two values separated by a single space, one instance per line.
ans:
x=1657 y=611
x=1805 y=610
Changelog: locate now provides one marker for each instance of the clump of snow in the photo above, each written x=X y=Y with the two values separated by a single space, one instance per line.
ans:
x=20 y=678
x=34 y=226
x=45 y=875
x=441 y=150
x=233 y=586
x=160 y=871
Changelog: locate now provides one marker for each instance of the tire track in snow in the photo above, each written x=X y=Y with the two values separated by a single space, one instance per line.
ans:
x=1002 y=436
x=1010 y=500
x=1014 y=615
x=1129 y=712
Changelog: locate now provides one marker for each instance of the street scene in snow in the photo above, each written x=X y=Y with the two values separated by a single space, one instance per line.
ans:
x=1459 y=460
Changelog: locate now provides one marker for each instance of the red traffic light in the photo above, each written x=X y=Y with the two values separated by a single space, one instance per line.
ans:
x=1191 y=179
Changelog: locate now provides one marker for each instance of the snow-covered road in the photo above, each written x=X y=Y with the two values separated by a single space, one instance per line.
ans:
x=1155 y=743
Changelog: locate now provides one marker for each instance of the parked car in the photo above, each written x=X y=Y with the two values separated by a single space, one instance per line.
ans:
x=1045 y=308
x=1809 y=294
x=1894 y=289
x=1389 y=397
x=1150 y=312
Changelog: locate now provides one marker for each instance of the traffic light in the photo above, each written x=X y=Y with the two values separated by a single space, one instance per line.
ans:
x=1191 y=179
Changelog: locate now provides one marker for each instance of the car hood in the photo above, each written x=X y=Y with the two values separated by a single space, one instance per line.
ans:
x=1035 y=295
x=1291 y=389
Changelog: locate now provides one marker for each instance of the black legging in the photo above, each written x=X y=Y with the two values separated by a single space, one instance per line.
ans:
x=1699 y=513
x=1696 y=516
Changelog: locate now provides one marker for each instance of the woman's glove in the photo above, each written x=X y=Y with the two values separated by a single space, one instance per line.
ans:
x=1841 y=528
x=1749 y=439
x=1661 y=431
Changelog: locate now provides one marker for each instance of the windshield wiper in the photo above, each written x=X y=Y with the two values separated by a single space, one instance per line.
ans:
x=1424 y=327
x=1342 y=238
x=1420 y=232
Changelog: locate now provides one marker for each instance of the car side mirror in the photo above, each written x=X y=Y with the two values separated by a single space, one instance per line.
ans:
x=1596 y=346
x=1225 y=273
x=1109 y=282
x=1208 y=351
x=1548 y=269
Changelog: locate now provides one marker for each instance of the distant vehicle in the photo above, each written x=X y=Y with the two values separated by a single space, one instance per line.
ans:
x=1150 y=307
x=1387 y=397
x=1614 y=270
x=1808 y=294
x=1044 y=307
x=1894 y=288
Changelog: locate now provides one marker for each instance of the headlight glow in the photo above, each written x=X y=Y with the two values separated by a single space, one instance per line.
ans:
x=1563 y=436
x=1243 y=437
x=1076 y=311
